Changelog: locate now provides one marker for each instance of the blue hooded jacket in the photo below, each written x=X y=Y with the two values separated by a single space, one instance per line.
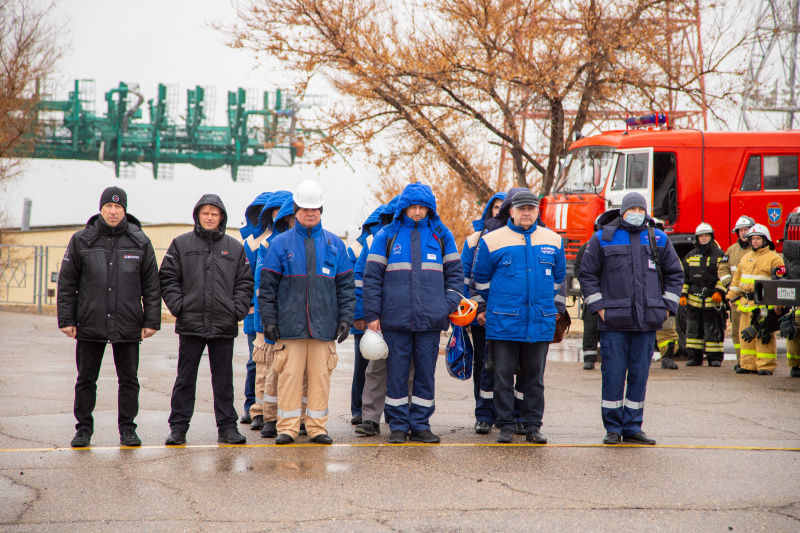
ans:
x=252 y=233
x=411 y=288
x=252 y=214
x=354 y=253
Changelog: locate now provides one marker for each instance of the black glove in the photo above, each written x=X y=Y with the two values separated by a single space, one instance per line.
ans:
x=766 y=337
x=271 y=332
x=788 y=331
x=342 y=331
x=749 y=334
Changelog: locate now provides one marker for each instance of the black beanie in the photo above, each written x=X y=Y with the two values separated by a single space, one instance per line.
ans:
x=115 y=195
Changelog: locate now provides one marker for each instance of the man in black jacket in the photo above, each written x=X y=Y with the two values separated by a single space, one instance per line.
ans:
x=207 y=285
x=108 y=292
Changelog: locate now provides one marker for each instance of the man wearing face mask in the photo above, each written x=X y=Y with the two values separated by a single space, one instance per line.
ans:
x=702 y=294
x=632 y=278
x=727 y=268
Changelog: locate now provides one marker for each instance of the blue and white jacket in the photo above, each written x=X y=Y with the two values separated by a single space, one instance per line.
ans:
x=518 y=273
x=618 y=274
x=253 y=234
x=358 y=248
x=409 y=290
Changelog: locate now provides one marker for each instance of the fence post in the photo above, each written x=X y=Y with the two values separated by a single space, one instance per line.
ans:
x=46 y=271
x=41 y=275
x=35 y=270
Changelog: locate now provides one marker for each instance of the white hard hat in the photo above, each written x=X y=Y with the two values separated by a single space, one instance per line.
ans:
x=743 y=222
x=308 y=195
x=760 y=230
x=373 y=347
x=703 y=228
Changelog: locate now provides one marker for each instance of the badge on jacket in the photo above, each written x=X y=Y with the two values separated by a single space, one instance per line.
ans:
x=651 y=264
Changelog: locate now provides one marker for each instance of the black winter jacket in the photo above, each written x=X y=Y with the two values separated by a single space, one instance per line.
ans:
x=108 y=285
x=206 y=280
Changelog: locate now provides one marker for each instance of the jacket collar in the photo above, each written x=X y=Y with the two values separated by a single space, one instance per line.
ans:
x=520 y=229
x=305 y=232
x=409 y=222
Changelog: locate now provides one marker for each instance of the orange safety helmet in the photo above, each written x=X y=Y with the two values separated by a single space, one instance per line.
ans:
x=465 y=314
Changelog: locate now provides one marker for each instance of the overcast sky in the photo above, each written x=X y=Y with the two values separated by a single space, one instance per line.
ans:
x=170 y=42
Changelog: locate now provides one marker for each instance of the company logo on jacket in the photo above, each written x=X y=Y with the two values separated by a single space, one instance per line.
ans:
x=289 y=255
x=396 y=249
x=130 y=257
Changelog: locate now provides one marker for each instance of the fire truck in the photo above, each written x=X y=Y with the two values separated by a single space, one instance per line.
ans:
x=687 y=176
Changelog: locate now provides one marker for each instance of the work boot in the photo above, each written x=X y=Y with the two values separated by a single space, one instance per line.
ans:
x=519 y=428
x=128 y=437
x=668 y=363
x=612 y=437
x=230 y=435
x=82 y=438
x=356 y=420
x=715 y=364
x=176 y=437
x=283 y=438
x=270 y=429
x=483 y=427
x=246 y=418
x=742 y=370
x=795 y=372
x=258 y=423
x=322 y=438
x=535 y=437
x=639 y=438
x=426 y=436
x=692 y=362
x=506 y=436
x=302 y=430
x=398 y=436
x=764 y=372
x=588 y=365
x=368 y=428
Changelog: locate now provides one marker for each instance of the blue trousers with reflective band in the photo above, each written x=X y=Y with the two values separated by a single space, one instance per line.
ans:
x=423 y=348
x=359 y=376
x=250 y=378
x=626 y=361
x=531 y=358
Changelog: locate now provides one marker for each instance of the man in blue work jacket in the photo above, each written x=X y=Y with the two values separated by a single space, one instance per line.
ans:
x=634 y=285
x=412 y=282
x=519 y=270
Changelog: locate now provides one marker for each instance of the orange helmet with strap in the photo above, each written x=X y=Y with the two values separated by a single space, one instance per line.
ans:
x=465 y=314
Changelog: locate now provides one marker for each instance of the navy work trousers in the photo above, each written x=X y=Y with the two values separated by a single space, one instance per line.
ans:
x=626 y=361
x=250 y=378
x=421 y=347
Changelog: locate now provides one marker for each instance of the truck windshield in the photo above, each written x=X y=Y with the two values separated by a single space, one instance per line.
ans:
x=578 y=170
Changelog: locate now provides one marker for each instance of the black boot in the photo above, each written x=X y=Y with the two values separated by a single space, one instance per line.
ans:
x=666 y=361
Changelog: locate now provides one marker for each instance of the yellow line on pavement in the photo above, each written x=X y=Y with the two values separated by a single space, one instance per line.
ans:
x=409 y=444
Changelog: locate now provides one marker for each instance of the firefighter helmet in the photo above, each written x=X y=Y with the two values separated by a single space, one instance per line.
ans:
x=761 y=231
x=372 y=346
x=703 y=228
x=743 y=222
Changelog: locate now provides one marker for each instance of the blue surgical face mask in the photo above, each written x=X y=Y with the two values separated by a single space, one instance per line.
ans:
x=634 y=219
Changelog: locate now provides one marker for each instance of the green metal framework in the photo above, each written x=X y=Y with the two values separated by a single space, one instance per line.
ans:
x=253 y=137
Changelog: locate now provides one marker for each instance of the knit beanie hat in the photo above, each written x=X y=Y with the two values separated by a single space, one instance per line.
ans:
x=114 y=195
x=632 y=199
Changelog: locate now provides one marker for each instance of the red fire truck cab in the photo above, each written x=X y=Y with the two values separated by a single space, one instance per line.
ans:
x=687 y=177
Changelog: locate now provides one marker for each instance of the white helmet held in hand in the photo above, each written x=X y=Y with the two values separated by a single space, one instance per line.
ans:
x=373 y=347
x=309 y=195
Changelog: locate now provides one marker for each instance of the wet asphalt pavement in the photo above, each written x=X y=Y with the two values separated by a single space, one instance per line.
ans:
x=728 y=457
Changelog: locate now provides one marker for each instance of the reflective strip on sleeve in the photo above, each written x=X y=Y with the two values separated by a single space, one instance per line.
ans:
x=672 y=297
x=430 y=266
x=400 y=266
x=483 y=286
x=451 y=257
x=592 y=298
x=754 y=277
x=478 y=298
x=270 y=399
x=466 y=281
x=611 y=405
x=294 y=413
x=316 y=414
x=377 y=258
x=422 y=401
x=634 y=405
x=560 y=298
x=396 y=402
x=486 y=394
x=518 y=395
x=556 y=286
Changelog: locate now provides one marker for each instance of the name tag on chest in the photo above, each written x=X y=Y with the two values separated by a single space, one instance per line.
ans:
x=651 y=264
x=326 y=270
x=432 y=257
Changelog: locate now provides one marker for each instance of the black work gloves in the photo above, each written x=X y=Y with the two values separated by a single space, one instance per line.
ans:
x=342 y=331
x=749 y=334
x=271 y=332
x=788 y=331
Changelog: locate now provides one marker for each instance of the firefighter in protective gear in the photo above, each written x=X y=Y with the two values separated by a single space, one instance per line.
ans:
x=667 y=342
x=703 y=293
x=727 y=267
x=790 y=324
x=757 y=353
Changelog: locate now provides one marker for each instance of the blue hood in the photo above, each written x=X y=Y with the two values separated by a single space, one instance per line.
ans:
x=287 y=208
x=416 y=194
x=275 y=201
x=252 y=214
x=479 y=224
x=503 y=215
x=387 y=214
x=373 y=221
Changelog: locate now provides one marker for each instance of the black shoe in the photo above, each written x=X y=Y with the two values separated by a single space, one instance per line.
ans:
x=231 y=435
x=258 y=423
x=82 y=439
x=692 y=362
x=176 y=438
x=668 y=363
x=764 y=372
x=398 y=436
x=322 y=438
x=283 y=438
x=246 y=418
x=639 y=438
x=483 y=427
x=426 y=436
x=128 y=437
x=302 y=430
x=794 y=372
x=506 y=436
x=612 y=437
x=368 y=428
x=741 y=370
x=588 y=365
x=270 y=429
x=535 y=437
x=715 y=364
x=356 y=420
